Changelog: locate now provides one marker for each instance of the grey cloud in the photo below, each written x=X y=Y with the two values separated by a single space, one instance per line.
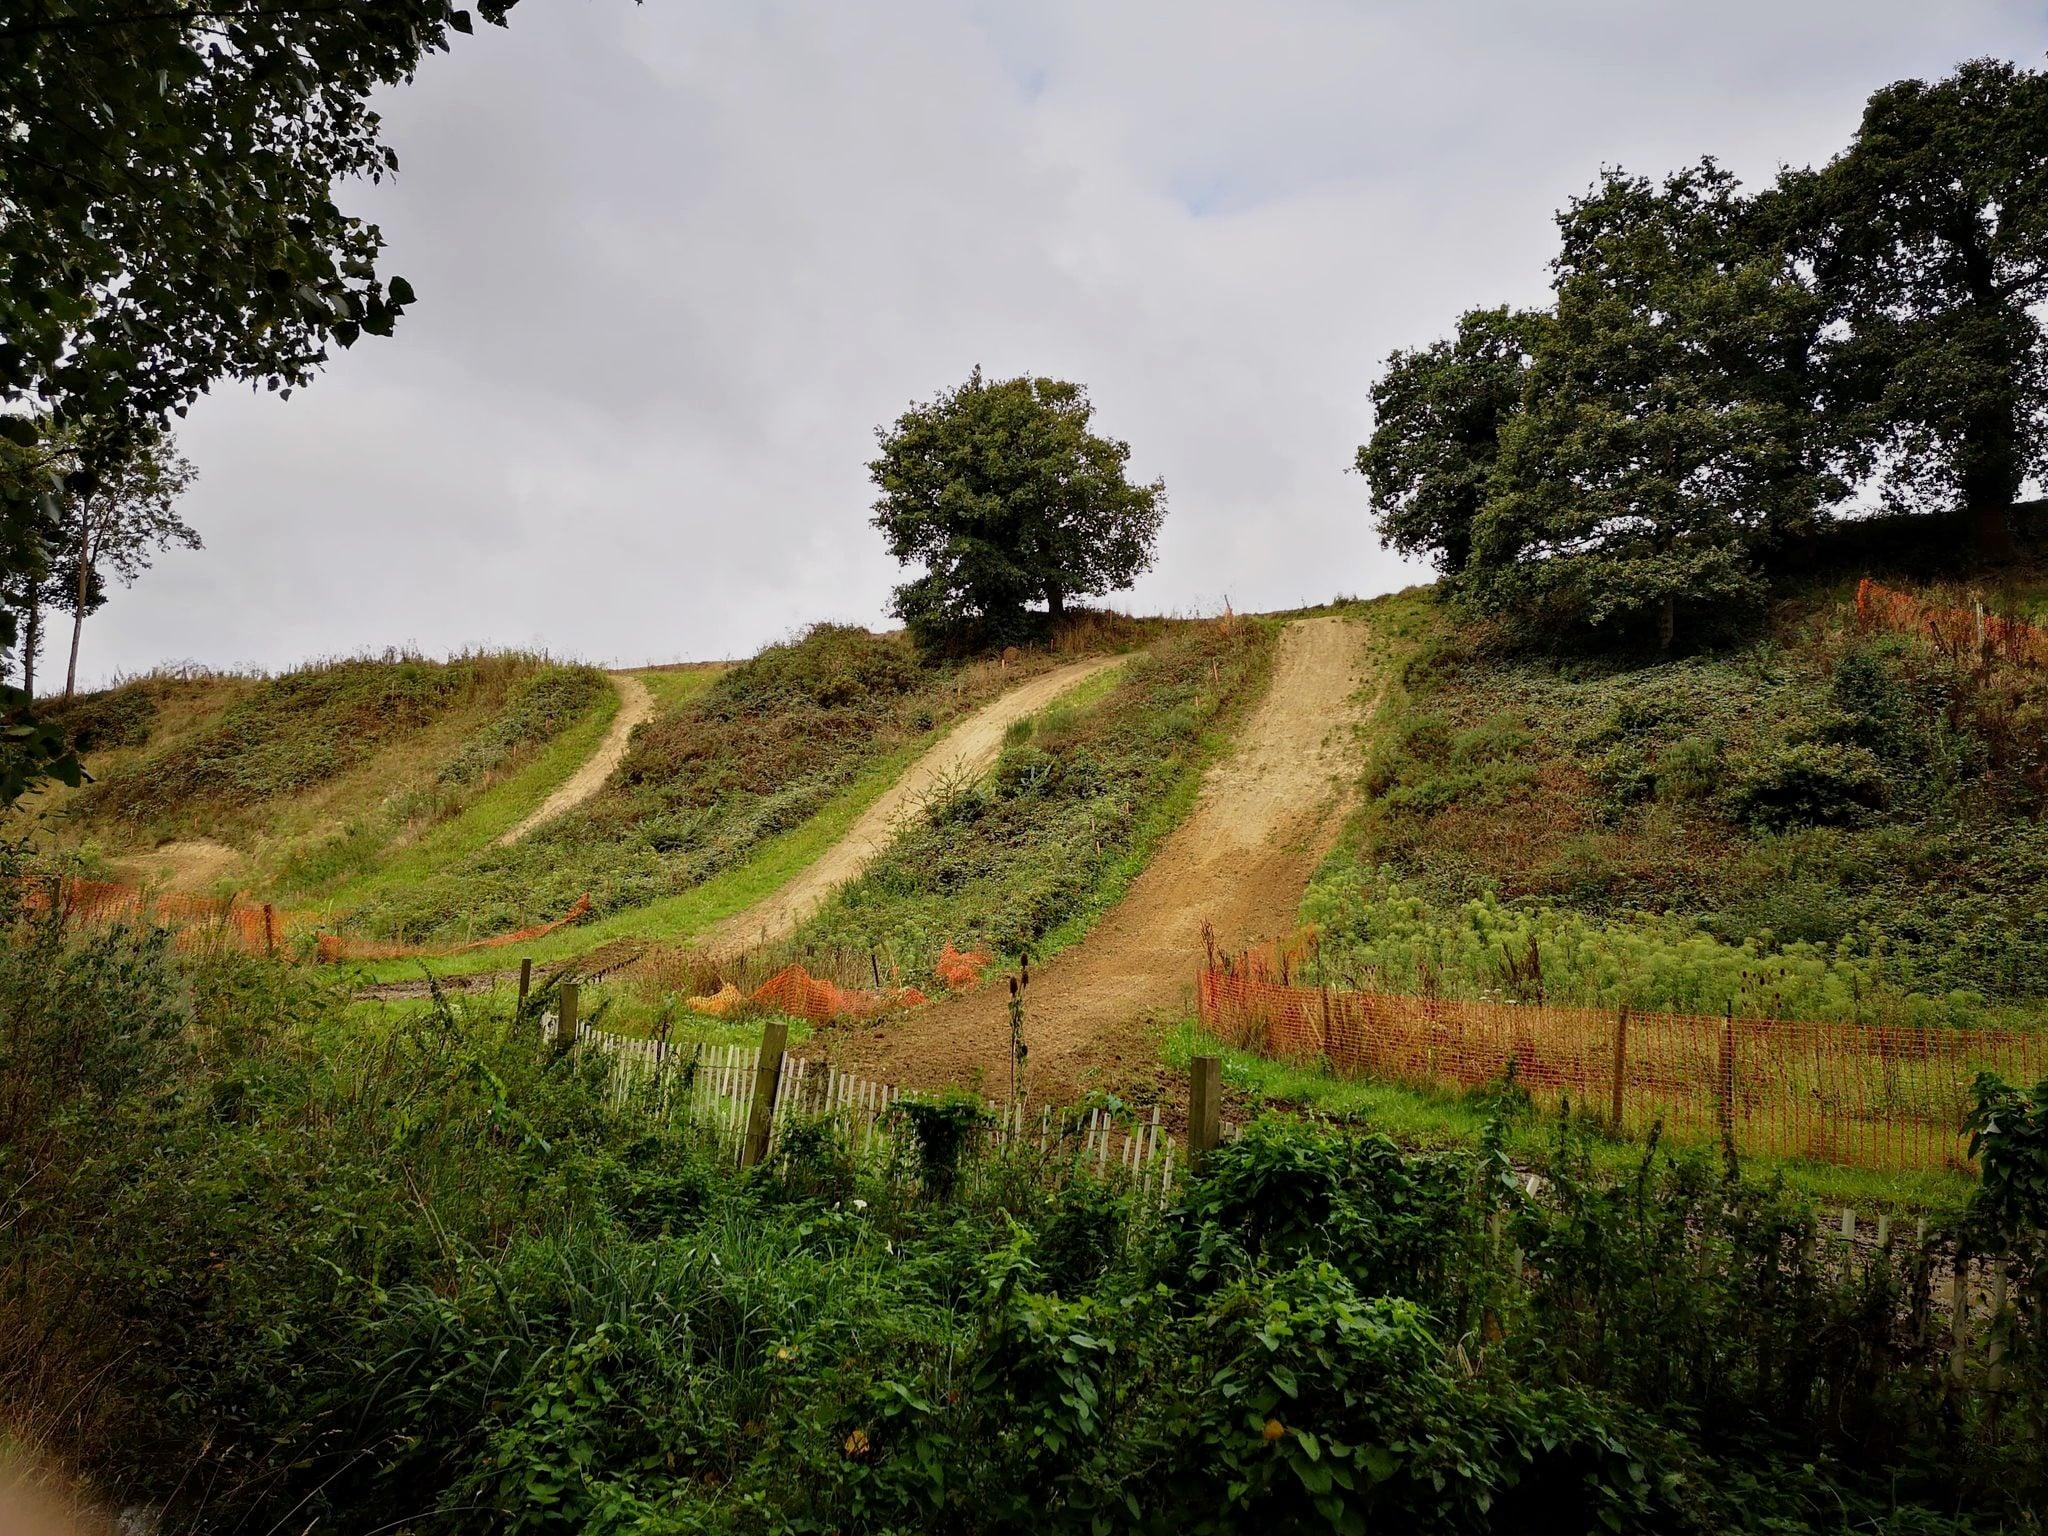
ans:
x=677 y=261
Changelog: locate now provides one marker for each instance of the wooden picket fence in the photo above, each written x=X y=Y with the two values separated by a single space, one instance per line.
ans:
x=719 y=1088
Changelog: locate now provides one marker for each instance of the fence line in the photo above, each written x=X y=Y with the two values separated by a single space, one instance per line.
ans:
x=1956 y=631
x=259 y=928
x=1867 y=1095
x=714 y=1086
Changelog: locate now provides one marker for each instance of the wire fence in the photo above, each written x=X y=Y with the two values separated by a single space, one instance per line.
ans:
x=1869 y=1096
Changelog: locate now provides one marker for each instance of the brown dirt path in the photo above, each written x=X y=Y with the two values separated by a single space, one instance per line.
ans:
x=967 y=751
x=1266 y=816
x=636 y=707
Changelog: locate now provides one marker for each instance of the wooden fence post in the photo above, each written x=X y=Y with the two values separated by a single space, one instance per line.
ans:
x=1205 y=1108
x=525 y=986
x=567 y=996
x=1620 y=1065
x=269 y=929
x=1724 y=1081
x=767 y=1077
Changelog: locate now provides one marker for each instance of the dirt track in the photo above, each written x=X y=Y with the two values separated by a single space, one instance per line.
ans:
x=1267 y=815
x=967 y=751
x=636 y=706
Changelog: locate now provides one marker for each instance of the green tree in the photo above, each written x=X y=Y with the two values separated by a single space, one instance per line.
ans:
x=1437 y=418
x=1671 y=429
x=1004 y=496
x=168 y=219
x=1936 y=253
x=116 y=528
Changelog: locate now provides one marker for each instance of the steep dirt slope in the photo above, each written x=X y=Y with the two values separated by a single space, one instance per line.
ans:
x=1266 y=816
x=967 y=751
x=636 y=706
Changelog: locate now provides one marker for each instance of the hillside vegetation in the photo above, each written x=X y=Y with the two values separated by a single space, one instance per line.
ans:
x=324 y=767
x=765 y=747
x=1821 y=821
x=1021 y=861
x=275 y=1261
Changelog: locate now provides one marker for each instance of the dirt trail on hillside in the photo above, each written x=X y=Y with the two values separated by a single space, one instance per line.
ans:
x=1266 y=816
x=636 y=707
x=967 y=751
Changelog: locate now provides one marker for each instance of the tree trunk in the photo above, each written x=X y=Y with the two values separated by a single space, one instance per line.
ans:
x=1667 y=623
x=1055 y=604
x=32 y=636
x=77 y=622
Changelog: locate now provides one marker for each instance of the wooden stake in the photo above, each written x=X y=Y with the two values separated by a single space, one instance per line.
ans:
x=767 y=1078
x=567 y=996
x=1620 y=1065
x=525 y=986
x=1205 y=1108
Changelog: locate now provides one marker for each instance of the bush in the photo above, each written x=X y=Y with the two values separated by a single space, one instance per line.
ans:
x=1810 y=784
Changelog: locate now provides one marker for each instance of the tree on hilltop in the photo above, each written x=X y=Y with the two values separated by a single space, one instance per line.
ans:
x=1936 y=251
x=1438 y=412
x=1000 y=491
x=1670 y=433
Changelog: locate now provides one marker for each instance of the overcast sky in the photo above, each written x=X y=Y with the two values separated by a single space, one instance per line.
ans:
x=676 y=261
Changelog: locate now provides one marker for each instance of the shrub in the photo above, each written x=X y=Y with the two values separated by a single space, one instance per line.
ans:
x=1810 y=784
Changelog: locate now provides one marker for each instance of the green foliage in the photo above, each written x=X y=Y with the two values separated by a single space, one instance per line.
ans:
x=1438 y=413
x=1810 y=784
x=942 y=1128
x=1822 y=823
x=283 y=1256
x=2008 y=1129
x=1006 y=498
x=1938 y=260
x=1719 y=370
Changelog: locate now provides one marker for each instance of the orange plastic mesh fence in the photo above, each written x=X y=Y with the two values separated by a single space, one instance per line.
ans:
x=255 y=926
x=1958 y=631
x=249 y=925
x=961 y=971
x=1872 y=1096
x=333 y=946
x=796 y=992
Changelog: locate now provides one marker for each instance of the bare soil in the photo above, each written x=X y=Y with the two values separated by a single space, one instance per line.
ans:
x=1267 y=815
x=636 y=706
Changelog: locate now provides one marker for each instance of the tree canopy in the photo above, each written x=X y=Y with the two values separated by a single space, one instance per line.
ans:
x=1720 y=370
x=169 y=220
x=1005 y=498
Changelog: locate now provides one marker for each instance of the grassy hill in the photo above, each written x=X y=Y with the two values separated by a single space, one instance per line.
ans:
x=1826 y=820
x=298 y=779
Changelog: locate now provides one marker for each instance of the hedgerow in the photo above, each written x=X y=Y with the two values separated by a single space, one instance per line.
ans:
x=270 y=1257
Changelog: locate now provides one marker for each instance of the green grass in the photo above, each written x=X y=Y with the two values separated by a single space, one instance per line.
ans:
x=1422 y=1118
x=682 y=916
x=496 y=811
x=673 y=687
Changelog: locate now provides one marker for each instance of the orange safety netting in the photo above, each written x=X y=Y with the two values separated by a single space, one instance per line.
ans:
x=1957 y=631
x=719 y=1004
x=1874 y=1096
x=796 y=992
x=258 y=927
x=959 y=971
x=330 y=947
